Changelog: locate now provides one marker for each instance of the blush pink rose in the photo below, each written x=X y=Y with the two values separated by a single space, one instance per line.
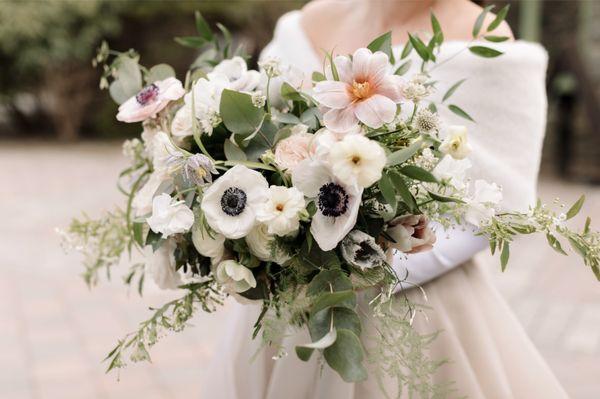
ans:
x=290 y=151
x=150 y=100
x=411 y=233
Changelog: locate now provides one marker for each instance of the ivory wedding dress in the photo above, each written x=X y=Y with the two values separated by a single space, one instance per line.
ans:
x=488 y=353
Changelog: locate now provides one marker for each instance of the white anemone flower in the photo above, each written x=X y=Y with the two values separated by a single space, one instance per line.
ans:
x=170 y=217
x=482 y=205
x=337 y=202
x=150 y=100
x=230 y=203
x=234 y=277
x=281 y=211
x=455 y=144
x=357 y=159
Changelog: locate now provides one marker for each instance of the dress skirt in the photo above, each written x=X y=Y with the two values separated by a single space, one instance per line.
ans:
x=487 y=353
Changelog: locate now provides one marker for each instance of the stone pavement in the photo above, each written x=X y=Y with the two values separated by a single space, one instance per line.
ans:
x=54 y=331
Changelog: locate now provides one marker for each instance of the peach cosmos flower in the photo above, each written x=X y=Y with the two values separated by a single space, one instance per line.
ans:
x=411 y=233
x=367 y=91
x=150 y=100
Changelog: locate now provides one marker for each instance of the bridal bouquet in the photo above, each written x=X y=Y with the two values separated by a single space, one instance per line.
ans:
x=295 y=191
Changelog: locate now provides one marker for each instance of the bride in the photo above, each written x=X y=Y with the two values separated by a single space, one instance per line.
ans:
x=487 y=353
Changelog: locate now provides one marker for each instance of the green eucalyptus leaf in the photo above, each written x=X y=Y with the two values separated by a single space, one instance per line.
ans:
x=384 y=44
x=289 y=93
x=555 y=244
x=239 y=115
x=418 y=173
x=202 y=27
x=233 y=152
x=402 y=69
x=191 y=41
x=486 y=52
x=320 y=323
x=403 y=155
x=403 y=191
x=574 y=210
x=346 y=356
x=479 y=21
x=437 y=29
x=496 y=39
x=317 y=77
x=160 y=72
x=387 y=190
x=441 y=198
x=406 y=50
x=330 y=299
x=452 y=89
x=328 y=280
x=504 y=255
x=501 y=16
x=460 y=112
x=422 y=50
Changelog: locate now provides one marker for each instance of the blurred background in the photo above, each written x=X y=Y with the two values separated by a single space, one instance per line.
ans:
x=60 y=153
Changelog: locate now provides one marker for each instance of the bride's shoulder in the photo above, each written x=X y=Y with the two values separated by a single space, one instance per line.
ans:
x=458 y=17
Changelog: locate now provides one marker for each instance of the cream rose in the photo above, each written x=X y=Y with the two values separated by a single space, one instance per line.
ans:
x=292 y=150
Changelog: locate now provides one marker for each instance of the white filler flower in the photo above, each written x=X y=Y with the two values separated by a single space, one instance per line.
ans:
x=211 y=245
x=170 y=217
x=234 y=277
x=357 y=159
x=230 y=203
x=455 y=144
x=482 y=205
x=160 y=266
x=337 y=202
x=281 y=211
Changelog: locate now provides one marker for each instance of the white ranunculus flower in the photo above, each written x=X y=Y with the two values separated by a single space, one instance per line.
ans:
x=281 y=211
x=482 y=205
x=211 y=245
x=160 y=265
x=170 y=217
x=357 y=159
x=455 y=144
x=142 y=201
x=260 y=243
x=452 y=171
x=230 y=203
x=234 y=277
x=237 y=73
x=181 y=126
x=337 y=202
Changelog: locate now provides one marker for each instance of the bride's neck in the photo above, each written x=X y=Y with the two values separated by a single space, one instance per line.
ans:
x=388 y=13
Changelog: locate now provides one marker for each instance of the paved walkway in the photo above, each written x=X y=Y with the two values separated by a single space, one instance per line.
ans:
x=54 y=331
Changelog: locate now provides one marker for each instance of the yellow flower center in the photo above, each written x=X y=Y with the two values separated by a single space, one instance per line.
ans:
x=201 y=173
x=361 y=90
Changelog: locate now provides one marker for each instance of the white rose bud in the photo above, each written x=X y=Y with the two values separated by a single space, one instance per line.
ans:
x=234 y=277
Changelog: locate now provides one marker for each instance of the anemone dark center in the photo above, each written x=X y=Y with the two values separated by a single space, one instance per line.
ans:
x=148 y=94
x=364 y=252
x=233 y=201
x=332 y=200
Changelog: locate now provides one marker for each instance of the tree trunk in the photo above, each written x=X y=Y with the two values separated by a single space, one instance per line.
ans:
x=66 y=95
